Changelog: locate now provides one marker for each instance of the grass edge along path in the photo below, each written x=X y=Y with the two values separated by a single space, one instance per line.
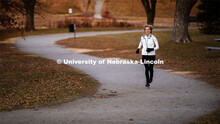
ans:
x=181 y=58
x=5 y=34
x=29 y=81
x=211 y=118
x=124 y=46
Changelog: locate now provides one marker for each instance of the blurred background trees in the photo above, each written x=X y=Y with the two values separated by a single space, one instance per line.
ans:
x=29 y=6
x=87 y=7
x=123 y=13
x=8 y=13
x=181 y=18
x=12 y=12
x=150 y=9
x=209 y=16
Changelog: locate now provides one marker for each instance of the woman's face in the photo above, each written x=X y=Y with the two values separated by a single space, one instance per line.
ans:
x=147 y=30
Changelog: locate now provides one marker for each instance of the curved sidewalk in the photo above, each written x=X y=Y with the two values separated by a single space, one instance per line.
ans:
x=171 y=99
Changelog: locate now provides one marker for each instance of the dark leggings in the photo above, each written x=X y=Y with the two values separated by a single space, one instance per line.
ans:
x=149 y=68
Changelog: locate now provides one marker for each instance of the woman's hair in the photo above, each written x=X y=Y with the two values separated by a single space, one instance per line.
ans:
x=150 y=26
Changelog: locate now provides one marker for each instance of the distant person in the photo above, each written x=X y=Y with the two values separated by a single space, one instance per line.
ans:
x=150 y=44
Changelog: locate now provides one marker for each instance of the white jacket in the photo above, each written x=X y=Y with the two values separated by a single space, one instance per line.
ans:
x=148 y=42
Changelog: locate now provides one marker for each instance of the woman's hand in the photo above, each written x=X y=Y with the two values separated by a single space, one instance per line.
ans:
x=150 y=49
x=137 y=51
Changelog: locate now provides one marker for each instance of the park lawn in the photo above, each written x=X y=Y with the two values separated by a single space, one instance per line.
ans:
x=211 y=118
x=28 y=81
x=178 y=57
x=23 y=66
x=5 y=34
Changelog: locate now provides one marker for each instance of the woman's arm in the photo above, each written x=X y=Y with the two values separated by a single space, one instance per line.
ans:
x=140 y=44
x=156 y=43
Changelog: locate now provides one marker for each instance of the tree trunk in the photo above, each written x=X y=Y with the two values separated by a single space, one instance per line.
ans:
x=150 y=18
x=150 y=9
x=181 y=17
x=29 y=7
x=87 y=7
x=98 y=8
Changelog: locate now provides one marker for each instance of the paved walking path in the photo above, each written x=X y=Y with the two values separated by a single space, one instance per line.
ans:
x=171 y=98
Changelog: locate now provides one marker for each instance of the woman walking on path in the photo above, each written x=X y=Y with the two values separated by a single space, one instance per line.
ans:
x=150 y=44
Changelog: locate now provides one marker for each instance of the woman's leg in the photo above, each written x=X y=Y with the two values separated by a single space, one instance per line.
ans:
x=147 y=67
x=151 y=68
x=147 y=72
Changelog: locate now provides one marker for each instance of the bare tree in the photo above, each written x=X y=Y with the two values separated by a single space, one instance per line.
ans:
x=87 y=7
x=208 y=17
x=150 y=9
x=8 y=13
x=181 y=17
x=8 y=16
x=29 y=6
x=98 y=8
x=13 y=10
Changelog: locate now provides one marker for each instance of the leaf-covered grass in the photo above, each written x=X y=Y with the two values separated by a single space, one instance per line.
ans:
x=191 y=57
x=211 y=118
x=15 y=33
x=177 y=56
x=30 y=81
